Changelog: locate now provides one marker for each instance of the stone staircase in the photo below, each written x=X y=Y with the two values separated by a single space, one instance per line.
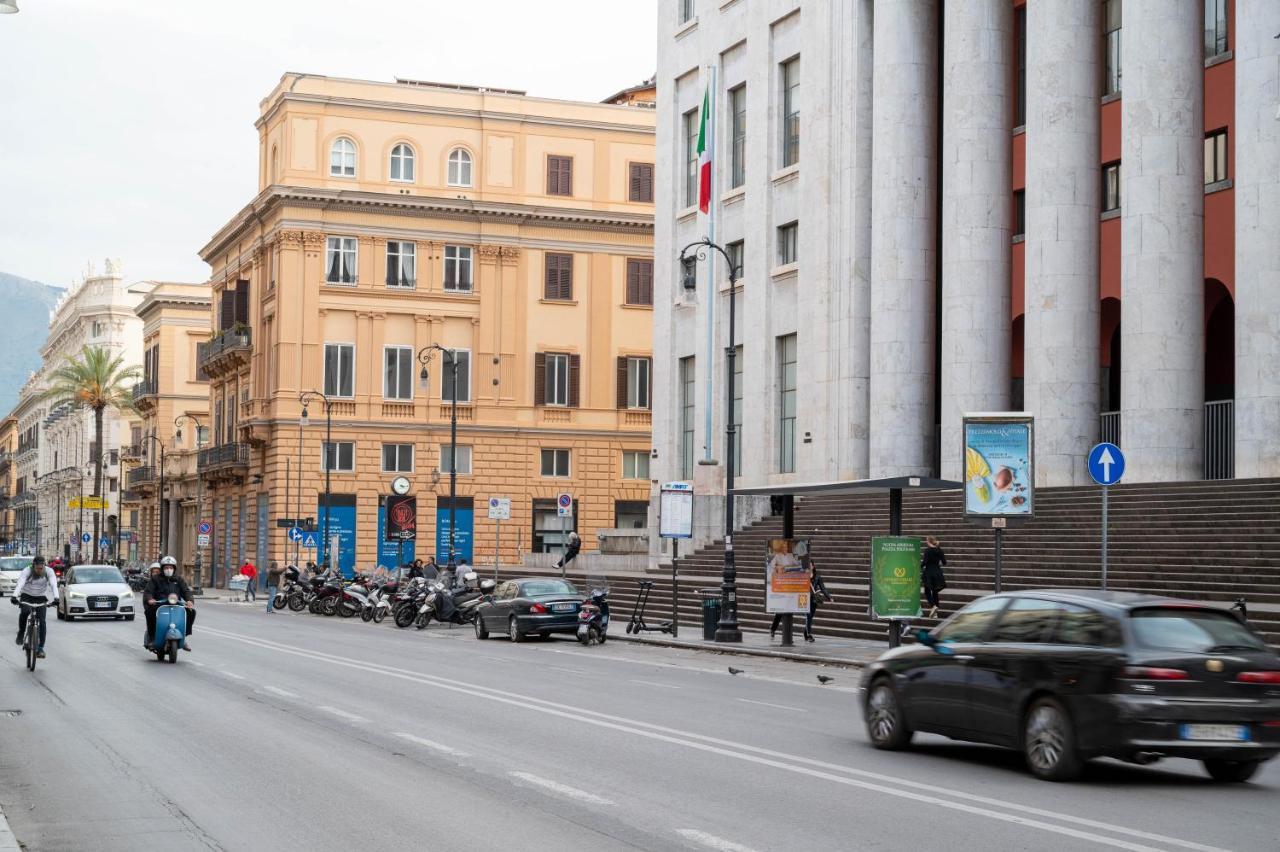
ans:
x=1211 y=541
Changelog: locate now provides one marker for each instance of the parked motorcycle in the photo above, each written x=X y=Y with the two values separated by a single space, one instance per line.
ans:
x=456 y=605
x=414 y=597
x=353 y=598
x=593 y=618
x=378 y=603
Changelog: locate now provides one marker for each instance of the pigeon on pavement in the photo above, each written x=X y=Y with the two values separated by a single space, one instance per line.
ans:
x=825 y=679
x=734 y=671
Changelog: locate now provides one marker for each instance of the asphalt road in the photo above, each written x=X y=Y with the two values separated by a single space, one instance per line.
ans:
x=300 y=732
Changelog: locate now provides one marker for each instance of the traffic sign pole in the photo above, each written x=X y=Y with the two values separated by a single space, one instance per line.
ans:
x=1105 y=490
x=1106 y=466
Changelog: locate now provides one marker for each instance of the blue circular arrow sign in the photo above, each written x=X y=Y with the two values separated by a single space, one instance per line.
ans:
x=1106 y=464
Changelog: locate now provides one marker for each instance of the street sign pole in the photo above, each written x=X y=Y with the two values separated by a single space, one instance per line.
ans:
x=1105 y=490
x=675 y=588
x=497 y=550
x=564 y=543
x=1106 y=466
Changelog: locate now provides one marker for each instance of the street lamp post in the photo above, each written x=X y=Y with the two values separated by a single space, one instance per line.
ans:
x=727 y=630
x=305 y=398
x=425 y=354
x=177 y=423
x=161 y=532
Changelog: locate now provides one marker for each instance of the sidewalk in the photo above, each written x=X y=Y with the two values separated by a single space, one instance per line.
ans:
x=854 y=653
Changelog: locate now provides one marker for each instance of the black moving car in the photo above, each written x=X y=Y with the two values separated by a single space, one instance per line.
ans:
x=1067 y=675
x=518 y=608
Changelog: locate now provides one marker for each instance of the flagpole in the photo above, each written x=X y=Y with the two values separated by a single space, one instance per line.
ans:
x=712 y=293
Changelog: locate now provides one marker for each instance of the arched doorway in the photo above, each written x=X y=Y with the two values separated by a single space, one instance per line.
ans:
x=1015 y=366
x=1219 y=380
x=1109 y=357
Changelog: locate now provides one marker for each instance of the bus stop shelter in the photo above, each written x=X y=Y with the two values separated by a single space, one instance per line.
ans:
x=891 y=488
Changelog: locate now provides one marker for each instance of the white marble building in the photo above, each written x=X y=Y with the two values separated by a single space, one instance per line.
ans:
x=98 y=310
x=955 y=238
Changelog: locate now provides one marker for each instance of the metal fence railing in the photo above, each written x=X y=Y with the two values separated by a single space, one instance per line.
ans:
x=1219 y=439
x=1110 y=427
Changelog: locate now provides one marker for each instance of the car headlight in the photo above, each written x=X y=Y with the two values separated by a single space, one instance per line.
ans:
x=77 y=596
x=127 y=596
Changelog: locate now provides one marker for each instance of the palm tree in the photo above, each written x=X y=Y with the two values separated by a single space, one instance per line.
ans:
x=95 y=379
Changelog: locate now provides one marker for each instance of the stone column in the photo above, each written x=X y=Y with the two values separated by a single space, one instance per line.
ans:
x=1256 y=173
x=1062 y=209
x=1162 y=241
x=903 y=199
x=976 y=193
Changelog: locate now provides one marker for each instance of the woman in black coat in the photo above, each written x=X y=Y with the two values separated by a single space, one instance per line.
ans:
x=931 y=575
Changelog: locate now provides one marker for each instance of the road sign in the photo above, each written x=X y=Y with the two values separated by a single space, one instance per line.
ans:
x=675 y=510
x=295 y=534
x=86 y=538
x=309 y=541
x=205 y=528
x=74 y=538
x=86 y=503
x=202 y=539
x=499 y=508
x=1106 y=464
x=564 y=505
x=103 y=543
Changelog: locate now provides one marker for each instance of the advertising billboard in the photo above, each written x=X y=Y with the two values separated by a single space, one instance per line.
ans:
x=787 y=576
x=895 y=577
x=999 y=465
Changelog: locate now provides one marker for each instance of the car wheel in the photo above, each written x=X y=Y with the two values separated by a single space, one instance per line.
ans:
x=57 y=610
x=1231 y=771
x=482 y=632
x=1049 y=742
x=513 y=630
x=887 y=727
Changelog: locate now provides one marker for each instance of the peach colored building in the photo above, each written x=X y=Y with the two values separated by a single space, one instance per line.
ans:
x=393 y=217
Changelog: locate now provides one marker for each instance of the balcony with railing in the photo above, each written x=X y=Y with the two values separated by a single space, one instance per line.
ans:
x=6 y=459
x=223 y=461
x=141 y=476
x=1219 y=437
x=131 y=453
x=144 y=395
x=129 y=497
x=227 y=350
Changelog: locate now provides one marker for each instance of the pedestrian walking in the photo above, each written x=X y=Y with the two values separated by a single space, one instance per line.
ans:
x=571 y=552
x=933 y=578
x=251 y=581
x=274 y=575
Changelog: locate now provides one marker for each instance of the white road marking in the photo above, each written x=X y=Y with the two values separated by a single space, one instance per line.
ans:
x=567 y=669
x=495 y=659
x=230 y=674
x=711 y=841
x=275 y=690
x=561 y=789
x=875 y=781
x=431 y=744
x=342 y=714
x=195 y=663
x=656 y=683
x=778 y=706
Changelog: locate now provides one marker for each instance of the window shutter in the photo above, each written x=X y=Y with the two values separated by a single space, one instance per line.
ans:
x=633 y=282
x=559 y=277
x=574 y=399
x=566 y=276
x=641 y=182
x=551 y=284
x=566 y=175
x=242 y=301
x=648 y=403
x=227 y=309
x=540 y=379
x=622 y=382
x=639 y=282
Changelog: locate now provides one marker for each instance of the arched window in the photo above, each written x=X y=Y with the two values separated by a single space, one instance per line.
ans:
x=402 y=163
x=342 y=158
x=459 y=167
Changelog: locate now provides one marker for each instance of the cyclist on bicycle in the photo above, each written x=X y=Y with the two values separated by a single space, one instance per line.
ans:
x=36 y=585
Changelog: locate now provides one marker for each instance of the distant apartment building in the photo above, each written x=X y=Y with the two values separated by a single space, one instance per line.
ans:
x=8 y=447
x=171 y=402
x=395 y=217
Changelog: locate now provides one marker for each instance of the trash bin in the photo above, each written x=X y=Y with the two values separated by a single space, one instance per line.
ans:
x=710 y=612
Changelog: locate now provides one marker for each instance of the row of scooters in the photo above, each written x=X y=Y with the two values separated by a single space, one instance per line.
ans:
x=415 y=601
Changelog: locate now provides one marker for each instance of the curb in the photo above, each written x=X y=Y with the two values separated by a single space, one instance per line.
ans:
x=741 y=652
x=8 y=843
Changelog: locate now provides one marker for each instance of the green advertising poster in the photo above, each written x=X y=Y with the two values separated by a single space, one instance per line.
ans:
x=895 y=577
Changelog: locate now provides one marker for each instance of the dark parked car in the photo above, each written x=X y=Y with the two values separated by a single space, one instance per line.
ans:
x=541 y=605
x=1067 y=675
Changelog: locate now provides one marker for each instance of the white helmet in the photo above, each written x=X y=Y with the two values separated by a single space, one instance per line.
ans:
x=153 y=565
x=167 y=561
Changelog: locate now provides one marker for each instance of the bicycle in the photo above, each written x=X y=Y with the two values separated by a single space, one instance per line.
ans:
x=31 y=641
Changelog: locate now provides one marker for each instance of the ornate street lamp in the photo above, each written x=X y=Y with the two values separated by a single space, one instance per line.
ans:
x=425 y=355
x=727 y=630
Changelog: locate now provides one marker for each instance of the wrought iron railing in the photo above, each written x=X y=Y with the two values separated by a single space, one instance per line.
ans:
x=143 y=389
x=1219 y=439
x=1110 y=423
x=224 y=455
x=229 y=340
x=141 y=475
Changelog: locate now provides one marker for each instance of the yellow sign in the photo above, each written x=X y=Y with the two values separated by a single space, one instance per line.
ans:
x=87 y=503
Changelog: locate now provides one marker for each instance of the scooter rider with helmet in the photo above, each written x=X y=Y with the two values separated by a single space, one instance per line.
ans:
x=158 y=590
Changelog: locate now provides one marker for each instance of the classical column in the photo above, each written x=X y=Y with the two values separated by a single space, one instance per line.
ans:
x=903 y=251
x=976 y=193
x=1062 y=209
x=1162 y=241
x=1256 y=173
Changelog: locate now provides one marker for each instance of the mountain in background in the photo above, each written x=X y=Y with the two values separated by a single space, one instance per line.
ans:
x=26 y=305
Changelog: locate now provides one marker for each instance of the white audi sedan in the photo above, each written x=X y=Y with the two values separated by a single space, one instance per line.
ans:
x=10 y=568
x=95 y=591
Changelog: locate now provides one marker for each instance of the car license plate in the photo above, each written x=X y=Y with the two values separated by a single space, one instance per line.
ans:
x=562 y=607
x=1217 y=733
x=101 y=605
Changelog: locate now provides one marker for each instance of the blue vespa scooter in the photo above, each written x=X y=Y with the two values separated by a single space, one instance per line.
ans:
x=171 y=627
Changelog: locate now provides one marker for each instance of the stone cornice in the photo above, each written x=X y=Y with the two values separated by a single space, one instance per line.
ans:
x=493 y=212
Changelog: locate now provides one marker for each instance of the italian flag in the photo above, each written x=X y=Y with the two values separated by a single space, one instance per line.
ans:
x=704 y=155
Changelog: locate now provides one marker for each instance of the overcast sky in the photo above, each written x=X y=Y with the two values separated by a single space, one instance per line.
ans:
x=126 y=127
